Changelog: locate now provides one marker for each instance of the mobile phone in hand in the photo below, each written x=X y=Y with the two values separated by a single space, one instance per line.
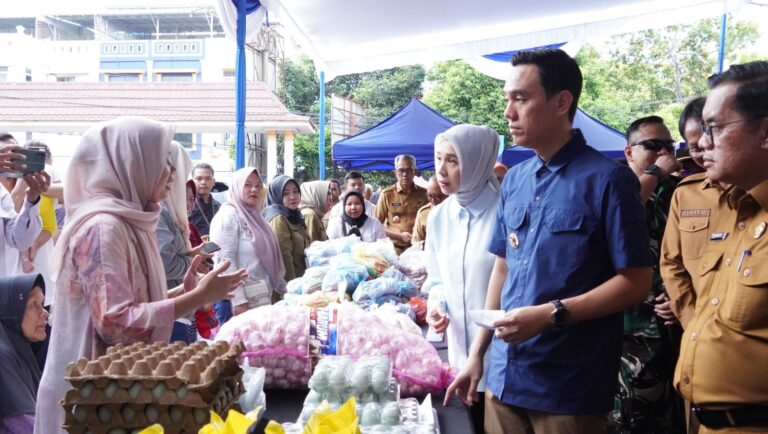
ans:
x=210 y=248
x=35 y=162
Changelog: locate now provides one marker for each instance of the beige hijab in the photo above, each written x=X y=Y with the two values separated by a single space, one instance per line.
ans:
x=115 y=170
x=177 y=197
x=314 y=194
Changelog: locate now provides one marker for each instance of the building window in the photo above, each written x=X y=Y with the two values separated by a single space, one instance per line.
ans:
x=3 y=73
x=176 y=76
x=229 y=75
x=65 y=78
x=185 y=139
x=27 y=74
x=124 y=77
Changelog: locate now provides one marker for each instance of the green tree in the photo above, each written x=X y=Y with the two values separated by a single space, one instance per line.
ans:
x=466 y=96
x=383 y=92
x=302 y=86
x=656 y=71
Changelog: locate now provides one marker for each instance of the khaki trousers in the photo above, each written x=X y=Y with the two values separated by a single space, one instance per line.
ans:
x=501 y=418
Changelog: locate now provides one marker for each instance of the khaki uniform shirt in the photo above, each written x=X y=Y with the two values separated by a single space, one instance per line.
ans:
x=315 y=227
x=420 y=227
x=697 y=214
x=725 y=346
x=292 y=239
x=397 y=210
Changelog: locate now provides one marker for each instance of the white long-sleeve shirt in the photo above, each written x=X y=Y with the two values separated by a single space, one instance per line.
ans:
x=229 y=233
x=19 y=231
x=457 y=256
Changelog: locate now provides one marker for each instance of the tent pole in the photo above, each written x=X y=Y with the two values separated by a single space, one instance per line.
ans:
x=721 y=51
x=240 y=88
x=321 y=139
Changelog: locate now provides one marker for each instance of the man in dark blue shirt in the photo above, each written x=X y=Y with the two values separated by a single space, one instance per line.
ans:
x=572 y=253
x=205 y=205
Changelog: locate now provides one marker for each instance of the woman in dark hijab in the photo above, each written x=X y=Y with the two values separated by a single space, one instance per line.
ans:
x=284 y=217
x=354 y=221
x=22 y=321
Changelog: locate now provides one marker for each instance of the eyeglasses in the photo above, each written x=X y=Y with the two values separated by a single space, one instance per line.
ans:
x=709 y=129
x=436 y=196
x=404 y=171
x=657 y=145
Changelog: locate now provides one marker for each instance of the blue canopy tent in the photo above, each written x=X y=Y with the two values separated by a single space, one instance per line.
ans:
x=410 y=130
x=599 y=135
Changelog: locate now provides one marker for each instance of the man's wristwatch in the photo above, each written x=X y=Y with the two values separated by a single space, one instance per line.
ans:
x=560 y=314
x=654 y=170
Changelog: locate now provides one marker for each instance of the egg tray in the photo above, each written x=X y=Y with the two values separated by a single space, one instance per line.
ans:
x=135 y=386
x=125 y=418
x=159 y=373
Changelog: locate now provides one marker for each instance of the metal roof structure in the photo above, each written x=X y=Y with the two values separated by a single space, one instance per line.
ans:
x=194 y=107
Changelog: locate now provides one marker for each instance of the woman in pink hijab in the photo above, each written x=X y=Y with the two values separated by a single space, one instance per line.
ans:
x=110 y=278
x=246 y=240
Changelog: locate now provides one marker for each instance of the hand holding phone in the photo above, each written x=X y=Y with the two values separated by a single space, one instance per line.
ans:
x=34 y=161
x=210 y=247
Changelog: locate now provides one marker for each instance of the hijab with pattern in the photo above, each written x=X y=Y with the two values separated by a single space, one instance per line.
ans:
x=261 y=235
x=476 y=148
x=19 y=373
x=115 y=170
x=314 y=194
x=275 y=206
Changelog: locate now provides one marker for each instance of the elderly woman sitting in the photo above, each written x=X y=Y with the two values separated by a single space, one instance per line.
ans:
x=22 y=321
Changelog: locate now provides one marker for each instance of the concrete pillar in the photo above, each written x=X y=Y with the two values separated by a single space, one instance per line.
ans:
x=288 y=153
x=271 y=156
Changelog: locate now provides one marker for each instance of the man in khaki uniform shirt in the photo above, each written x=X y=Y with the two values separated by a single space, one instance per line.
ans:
x=696 y=216
x=399 y=203
x=721 y=368
x=435 y=197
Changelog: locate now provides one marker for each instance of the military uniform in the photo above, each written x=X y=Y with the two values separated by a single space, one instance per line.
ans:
x=697 y=214
x=420 y=226
x=645 y=401
x=725 y=344
x=397 y=210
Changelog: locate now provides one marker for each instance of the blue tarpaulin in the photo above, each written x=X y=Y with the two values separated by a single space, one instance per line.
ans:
x=598 y=135
x=410 y=130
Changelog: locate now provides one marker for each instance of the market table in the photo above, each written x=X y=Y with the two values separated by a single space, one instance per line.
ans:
x=285 y=406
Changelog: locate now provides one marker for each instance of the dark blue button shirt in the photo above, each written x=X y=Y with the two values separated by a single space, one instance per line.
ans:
x=576 y=220
x=203 y=213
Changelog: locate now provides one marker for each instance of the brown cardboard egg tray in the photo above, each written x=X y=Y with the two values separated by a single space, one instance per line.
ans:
x=89 y=418
x=174 y=383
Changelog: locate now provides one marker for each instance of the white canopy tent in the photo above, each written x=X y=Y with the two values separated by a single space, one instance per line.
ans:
x=346 y=37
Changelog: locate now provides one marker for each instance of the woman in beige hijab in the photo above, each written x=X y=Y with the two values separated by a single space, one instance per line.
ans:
x=316 y=200
x=110 y=281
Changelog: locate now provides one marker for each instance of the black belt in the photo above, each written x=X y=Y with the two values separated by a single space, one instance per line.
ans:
x=742 y=416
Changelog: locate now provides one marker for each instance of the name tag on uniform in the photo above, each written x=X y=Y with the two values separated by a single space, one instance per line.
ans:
x=704 y=212
x=257 y=293
x=396 y=204
x=718 y=236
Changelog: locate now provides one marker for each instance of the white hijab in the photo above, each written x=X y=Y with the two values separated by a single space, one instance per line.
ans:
x=115 y=170
x=476 y=148
x=177 y=197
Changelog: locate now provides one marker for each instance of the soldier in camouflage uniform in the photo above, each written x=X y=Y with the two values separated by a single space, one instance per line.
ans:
x=645 y=401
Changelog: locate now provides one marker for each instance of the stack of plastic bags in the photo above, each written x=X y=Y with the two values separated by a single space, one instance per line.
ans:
x=289 y=340
x=321 y=252
x=412 y=263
